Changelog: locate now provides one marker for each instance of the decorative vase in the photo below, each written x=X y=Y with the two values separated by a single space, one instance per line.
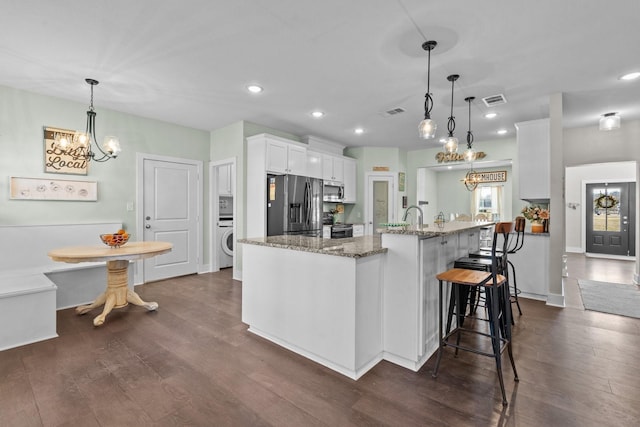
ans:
x=537 y=227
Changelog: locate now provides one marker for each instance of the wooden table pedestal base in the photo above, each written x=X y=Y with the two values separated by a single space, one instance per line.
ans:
x=117 y=295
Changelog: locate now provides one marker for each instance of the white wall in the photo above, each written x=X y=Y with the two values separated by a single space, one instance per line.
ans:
x=576 y=177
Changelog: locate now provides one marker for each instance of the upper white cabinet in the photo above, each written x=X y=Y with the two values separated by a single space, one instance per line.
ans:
x=349 y=181
x=533 y=159
x=285 y=158
x=225 y=180
x=314 y=164
x=332 y=168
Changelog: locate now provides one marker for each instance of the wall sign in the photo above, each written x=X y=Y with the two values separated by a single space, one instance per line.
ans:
x=56 y=161
x=455 y=157
x=492 y=176
x=53 y=189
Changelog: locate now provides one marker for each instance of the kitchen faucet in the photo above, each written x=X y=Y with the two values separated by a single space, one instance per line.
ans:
x=406 y=213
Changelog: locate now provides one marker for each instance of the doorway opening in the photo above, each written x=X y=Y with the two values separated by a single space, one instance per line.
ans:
x=222 y=178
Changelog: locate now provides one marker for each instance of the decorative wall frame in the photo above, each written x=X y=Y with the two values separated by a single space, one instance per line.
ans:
x=56 y=161
x=52 y=189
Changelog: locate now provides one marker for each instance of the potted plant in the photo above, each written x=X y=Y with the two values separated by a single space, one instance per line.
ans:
x=538 y=216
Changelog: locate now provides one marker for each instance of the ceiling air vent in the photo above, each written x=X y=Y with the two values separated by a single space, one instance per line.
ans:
x=394 y=111
x=493 y=100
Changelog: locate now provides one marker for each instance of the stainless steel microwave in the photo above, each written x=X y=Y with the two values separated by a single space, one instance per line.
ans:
x=333 y=191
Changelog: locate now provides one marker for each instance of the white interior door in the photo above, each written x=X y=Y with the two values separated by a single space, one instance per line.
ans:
x=170 y=214
x=379 y=201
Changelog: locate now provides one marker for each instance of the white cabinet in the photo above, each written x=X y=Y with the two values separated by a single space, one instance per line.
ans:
x=349 y=181
x=533 y=159
x=531 y=263
x=326 y=231
x=225 y=180
x=314 y=164
x=358 y=230
x=332 y=168
x=286 y=158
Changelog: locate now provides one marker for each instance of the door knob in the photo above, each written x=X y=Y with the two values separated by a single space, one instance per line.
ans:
x=147 y=226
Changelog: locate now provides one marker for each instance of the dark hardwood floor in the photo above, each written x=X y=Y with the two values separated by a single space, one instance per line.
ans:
x=193 y=363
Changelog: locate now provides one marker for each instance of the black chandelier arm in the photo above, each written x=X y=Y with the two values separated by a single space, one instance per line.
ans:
x=102 y=156
x=469 y=139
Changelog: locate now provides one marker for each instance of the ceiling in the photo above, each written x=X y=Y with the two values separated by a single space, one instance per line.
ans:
x=189 y=62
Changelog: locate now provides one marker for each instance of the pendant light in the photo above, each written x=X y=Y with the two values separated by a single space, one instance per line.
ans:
x=451 y=143
x=470 y=153
x=427 y=127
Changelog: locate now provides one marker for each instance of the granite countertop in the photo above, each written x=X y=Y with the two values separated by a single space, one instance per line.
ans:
x=434 y=230
x=353 y=247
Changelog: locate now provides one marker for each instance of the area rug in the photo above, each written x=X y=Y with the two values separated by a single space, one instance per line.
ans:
x=614 y=298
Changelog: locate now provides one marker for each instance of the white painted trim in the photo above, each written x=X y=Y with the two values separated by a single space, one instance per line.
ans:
x=556 y=300
x=214 y=263
x=138 y=275
x=574 y=250
x=391 y=178
x=607 y=256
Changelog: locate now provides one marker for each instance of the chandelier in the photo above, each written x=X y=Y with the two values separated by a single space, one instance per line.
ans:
x=427 y=127
x=451 y=143
x=79 y=145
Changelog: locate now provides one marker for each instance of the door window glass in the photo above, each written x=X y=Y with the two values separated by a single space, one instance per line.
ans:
x=380 y=203
x=606 y=209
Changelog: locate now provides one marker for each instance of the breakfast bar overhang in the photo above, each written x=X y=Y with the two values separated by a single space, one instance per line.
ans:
x=349 y=303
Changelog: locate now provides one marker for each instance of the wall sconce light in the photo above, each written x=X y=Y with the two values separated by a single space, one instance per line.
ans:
x=610 y=121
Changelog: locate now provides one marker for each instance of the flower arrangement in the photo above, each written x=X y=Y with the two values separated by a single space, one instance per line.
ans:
x=535 y=213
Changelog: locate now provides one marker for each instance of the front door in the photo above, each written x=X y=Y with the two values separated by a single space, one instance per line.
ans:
x=170 y=214
x=610 y=222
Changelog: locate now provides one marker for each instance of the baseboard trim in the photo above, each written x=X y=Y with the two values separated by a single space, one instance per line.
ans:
x=574 y=250
x=555 y=300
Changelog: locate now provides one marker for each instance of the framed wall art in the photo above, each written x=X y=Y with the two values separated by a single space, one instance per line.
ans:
x=56 y=161
x=53 y=189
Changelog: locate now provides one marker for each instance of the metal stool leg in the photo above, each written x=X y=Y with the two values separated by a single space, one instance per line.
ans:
x=494 y=307
x=515 y=288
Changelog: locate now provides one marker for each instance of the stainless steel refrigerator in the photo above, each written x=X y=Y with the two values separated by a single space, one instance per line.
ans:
x=294 y=205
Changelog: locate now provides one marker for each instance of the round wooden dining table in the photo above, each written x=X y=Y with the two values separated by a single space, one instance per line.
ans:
x=117 y=294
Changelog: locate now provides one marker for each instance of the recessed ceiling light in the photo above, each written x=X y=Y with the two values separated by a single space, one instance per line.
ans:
x=359 y=131
x=442 y=140
x=254 y=88
x=449 y=167
x=317 y=114
x=630 y=76
x=490 y=115
x=501 y=131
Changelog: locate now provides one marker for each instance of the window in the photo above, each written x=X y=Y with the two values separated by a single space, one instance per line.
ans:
x=487 y=203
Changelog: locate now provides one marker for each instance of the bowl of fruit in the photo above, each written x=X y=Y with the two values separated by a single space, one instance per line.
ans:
x=116 y=239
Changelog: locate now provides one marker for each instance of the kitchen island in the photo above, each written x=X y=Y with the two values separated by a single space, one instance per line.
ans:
x=349 y=303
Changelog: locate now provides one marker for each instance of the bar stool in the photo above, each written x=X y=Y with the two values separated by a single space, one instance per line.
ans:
x=481 y=260
x=485 y=253
x=496 y=290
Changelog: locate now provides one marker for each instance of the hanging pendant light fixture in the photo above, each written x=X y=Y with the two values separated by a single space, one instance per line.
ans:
x=427 y=127
x=451 y=143
x=470 y=153
x=80 y=146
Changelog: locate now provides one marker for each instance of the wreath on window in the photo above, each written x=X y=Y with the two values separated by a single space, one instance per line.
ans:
x=606 y=201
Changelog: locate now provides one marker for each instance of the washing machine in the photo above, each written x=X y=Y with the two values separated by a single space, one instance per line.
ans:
x=225 y=243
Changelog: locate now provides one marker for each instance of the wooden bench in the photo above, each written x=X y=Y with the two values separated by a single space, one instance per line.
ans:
x=33 y=287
